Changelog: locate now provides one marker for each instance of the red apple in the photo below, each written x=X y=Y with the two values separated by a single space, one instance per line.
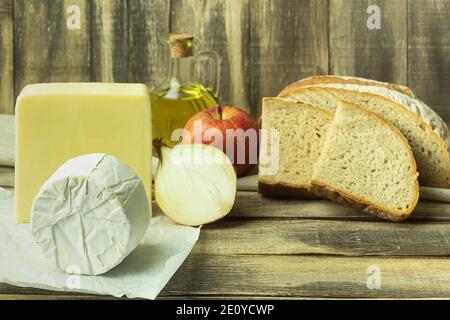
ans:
x=230 y=129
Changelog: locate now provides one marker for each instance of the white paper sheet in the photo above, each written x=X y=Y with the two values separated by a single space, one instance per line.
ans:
x=143 y=274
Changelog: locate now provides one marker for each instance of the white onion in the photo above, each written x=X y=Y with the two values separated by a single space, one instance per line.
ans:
x=195 y=184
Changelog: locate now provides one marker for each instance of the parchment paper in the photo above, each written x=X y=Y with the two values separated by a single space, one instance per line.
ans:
x=143 y=274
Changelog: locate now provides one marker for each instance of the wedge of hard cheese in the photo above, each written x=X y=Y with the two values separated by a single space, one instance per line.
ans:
x=90 y=214
x=56 y=122
x=367 y=163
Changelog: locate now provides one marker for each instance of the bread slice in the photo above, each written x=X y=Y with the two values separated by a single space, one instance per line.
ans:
x=367 y=163
x=407 y=114
x=315 y=80
x=292 y=134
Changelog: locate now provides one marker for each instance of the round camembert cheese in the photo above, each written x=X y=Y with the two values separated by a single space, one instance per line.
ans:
x=90 y=214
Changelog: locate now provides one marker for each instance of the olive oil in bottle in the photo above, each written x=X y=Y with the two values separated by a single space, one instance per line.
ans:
x=179 y=97
x=171 y=110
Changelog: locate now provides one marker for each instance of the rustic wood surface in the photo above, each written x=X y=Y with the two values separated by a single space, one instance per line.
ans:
x=223 y=27
x=126 y=40
x=428 y=58
x=109 y=23
x=265 y=247
x=6 y=177
x=263 y=45
x=359 y=51
x=300 y=249
x=289 y=41
x=7 y=137
x=45 y=50
x=6 y=57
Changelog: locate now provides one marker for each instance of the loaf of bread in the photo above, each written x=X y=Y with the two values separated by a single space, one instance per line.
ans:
x=334 y=79
x=425 y=131
x=366 y=162
x=292 y=134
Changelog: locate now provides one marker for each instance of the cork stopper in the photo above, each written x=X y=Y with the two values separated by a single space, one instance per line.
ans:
x=181 y=45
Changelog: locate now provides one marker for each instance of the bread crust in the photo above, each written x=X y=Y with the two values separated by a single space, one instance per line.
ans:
x=294 y=102
x=324 y=79
x=420 y=122
x=322 y=190
x=343 y=198
x=281 y=190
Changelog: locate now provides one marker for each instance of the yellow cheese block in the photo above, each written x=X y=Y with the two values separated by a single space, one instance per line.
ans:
x=59 y=121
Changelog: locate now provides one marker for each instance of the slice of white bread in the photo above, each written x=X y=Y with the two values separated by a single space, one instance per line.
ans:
x=367 y=163
x=426 y=139
x=314 y=80
x=301 y=128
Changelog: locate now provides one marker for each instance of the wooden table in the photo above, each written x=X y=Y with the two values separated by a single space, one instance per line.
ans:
x=308 y=249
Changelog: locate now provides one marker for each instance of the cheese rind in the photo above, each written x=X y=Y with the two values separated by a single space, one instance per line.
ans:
x=90 y=214
x=59 y=121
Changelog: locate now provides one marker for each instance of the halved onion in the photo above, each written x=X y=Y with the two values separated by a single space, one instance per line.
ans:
x=195 y=184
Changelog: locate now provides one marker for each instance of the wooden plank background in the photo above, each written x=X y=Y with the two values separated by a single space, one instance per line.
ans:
x=263 y=45
x=6 y=57
x=356 y=50
x=44 y=49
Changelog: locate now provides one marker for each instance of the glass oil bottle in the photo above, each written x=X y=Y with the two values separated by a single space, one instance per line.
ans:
x=181 y=96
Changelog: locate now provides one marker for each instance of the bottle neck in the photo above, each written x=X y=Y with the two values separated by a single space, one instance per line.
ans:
x=180 y=69
x=178 y=77
x=174 y=68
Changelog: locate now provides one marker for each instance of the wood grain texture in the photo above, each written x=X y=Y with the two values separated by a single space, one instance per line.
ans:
x=6 y=177
x=247 y=255
x=356 y=50
x=310 y=276
x=324 y=237
x=45 y=49
x=126 y=38
x=148 y=24
x=252 y=205
x=109 y=35
x=53 y=296
x=241 y=276
x=428 y=53
x=6 y=57
x=289 y=41
x=221 y=26
x=7 y=140
x=37 y=296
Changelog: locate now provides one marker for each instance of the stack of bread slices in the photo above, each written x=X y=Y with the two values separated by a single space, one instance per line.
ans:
x=356 y=141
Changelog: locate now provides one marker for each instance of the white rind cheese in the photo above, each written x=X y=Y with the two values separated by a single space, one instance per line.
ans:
x=90 y=214
x=417 y=106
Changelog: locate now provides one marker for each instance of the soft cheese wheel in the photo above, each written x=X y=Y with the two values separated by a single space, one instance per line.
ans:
x=90 y=214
